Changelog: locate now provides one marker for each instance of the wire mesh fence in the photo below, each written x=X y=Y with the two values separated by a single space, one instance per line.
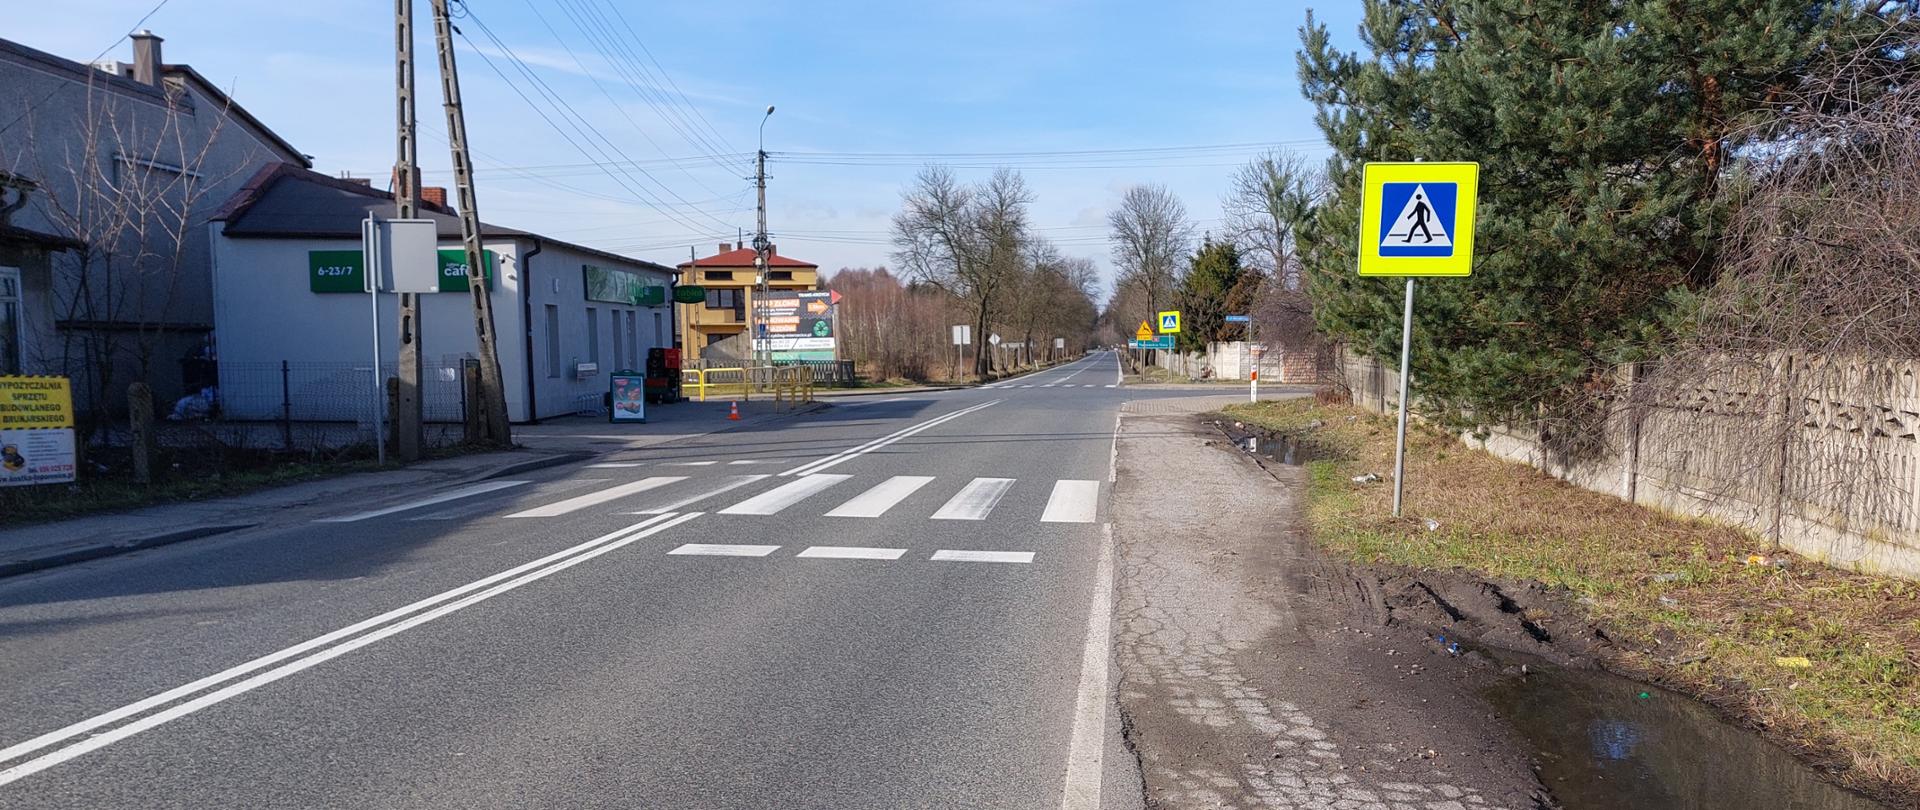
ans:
x=307 y=406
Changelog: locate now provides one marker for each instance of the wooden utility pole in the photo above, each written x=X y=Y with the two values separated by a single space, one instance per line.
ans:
x=493 y=392
x=407 y=434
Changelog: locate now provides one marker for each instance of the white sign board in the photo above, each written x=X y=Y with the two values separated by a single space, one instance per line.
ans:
x=993 y=339
x=1059 y=343
x=40 y=456
x=962 y=335
x=403 y=255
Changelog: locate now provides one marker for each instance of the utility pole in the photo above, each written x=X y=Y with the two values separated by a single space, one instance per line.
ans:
x=493 y=392
x=406 y=191
x=762 y=248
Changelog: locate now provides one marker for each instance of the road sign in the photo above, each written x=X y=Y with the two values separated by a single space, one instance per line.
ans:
x=1416 y=219
x=993 y=339
x=1163 y=343
x=962 y=335
x=1145 y=332
x=1170 y=322
x=1239 y=319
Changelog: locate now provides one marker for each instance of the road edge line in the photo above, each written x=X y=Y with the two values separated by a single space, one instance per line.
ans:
x=1086 y=749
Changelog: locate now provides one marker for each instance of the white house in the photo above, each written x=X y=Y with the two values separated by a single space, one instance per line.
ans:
x=293 y=326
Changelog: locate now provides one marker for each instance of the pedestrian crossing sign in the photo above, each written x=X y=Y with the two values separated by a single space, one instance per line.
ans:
x=1416 y=219
x=1170 y=322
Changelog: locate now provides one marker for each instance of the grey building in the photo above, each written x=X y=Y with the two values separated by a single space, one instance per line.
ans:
x=293 y=324
x=115 y=169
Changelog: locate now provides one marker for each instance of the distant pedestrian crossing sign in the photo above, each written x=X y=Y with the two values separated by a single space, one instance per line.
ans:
x=1417 y=219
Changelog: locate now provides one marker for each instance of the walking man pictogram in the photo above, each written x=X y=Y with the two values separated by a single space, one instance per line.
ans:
x=1420 y=214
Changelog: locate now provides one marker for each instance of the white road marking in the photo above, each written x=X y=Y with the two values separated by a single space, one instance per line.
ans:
x=454 y=495
x=463 y=596
x=1072 y=502
x=729 y=483
x=725 y=550
x=975 y=500
x=945 y=555
x=1109 y=385
x=688 y=463
x=740 y=461
x=608 y=465
x=612 y=493
x=851 y=553
x=785 y=495
x=1048 y=385
x=1085 y=746
x=875 y=502
x=1017 y=386
x=883 y=441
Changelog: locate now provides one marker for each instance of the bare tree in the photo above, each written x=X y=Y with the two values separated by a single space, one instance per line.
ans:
x=967 y=240
x=1267 y=202
x=1151 y=236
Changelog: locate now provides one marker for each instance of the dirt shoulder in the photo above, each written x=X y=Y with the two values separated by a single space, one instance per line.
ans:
x=1825 y=663
x=1255 y=673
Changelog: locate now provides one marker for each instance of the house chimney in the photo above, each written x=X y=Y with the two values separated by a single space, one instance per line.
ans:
x=434 y=194
x=146 y=58
x=726 y=246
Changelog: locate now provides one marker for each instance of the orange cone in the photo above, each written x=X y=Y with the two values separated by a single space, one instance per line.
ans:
x=733 y=411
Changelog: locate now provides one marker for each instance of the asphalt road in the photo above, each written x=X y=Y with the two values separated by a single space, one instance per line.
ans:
x=883 y=605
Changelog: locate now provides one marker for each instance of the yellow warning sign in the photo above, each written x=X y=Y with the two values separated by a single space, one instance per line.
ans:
x=28 y=403
x=1145 y=332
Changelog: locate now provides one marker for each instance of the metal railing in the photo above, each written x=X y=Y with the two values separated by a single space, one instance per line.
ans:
x=791 y=386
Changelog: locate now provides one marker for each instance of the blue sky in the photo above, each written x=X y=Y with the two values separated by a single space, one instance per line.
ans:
x=896 y=82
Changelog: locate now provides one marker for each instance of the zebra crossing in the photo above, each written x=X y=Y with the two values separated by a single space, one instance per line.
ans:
x=835 y=495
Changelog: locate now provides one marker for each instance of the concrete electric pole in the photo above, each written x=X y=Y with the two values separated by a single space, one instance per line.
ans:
x=407 y=438
x=762 y=250
x=493 y=392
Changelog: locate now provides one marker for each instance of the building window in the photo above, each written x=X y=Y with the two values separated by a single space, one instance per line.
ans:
x=619 y=346
x=733 y=299
x=13 y=333
x=780 y=275
x=593 y=336
x=553 y=341
x=633 y=340
x=717 y=275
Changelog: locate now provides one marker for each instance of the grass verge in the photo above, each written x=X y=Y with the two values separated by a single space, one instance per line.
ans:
x=1823 y=659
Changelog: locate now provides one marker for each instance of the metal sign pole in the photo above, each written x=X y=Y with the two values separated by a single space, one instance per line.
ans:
x=370 y=264
x=1400 y=434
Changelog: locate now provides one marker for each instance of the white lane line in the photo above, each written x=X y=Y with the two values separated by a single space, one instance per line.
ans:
x=726 y=484
x=1084 y=745
x=742 y=461
x=946 y=555
x=454 y=495
x=785 y=495
x=1110 y=385
x=613 y=465
x=693 y=463
x=883 y=441
x=579 y=502
x=975 y=500
x=724 y=550
x=851 y=553
x=464 y=596
x=1049 y=385
x=1076 y=372
x=1072 y=502
x=1023 y=386
x=875 y=502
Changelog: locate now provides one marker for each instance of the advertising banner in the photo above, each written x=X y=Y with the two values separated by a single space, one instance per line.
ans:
x=797 y=325
x=36 y=431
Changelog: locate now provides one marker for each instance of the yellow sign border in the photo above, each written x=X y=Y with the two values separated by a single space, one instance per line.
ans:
x=1163 y=320
x=1373 y=182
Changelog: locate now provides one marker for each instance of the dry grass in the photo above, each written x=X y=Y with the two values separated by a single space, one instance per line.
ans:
x=1681 y=595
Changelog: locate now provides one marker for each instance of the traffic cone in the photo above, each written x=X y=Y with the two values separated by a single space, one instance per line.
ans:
x=733 y=411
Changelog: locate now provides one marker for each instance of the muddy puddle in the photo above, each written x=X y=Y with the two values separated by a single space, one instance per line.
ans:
x=1607 y=743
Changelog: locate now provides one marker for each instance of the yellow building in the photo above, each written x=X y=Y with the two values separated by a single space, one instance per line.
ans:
x=728 y=277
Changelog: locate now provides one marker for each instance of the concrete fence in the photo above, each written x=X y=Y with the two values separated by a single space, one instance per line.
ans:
x=1819 y=455
x=1233 y=360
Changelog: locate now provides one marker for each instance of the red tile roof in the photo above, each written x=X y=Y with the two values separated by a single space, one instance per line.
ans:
x=743 y=257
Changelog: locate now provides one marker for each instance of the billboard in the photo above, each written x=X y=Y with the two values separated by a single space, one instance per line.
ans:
x=797 y=325
x=36 y=431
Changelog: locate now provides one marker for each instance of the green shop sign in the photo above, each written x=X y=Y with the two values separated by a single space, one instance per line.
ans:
x=453 y=269
x=613 y=286
x=336 y=271
x=345 y=271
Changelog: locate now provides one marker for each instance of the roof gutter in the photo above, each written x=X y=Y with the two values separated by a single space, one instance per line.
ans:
x=526 y=322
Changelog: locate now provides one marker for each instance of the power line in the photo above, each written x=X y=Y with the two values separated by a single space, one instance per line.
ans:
x=669 y=111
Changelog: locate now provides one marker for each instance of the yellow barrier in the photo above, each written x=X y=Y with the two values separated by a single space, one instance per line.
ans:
x=727 y=382
x=791 y=385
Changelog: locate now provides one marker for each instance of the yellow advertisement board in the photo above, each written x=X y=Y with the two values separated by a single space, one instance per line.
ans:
x=28 y=403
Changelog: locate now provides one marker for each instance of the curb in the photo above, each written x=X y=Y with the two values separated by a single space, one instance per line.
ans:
x=532 y=464
x=83 y=554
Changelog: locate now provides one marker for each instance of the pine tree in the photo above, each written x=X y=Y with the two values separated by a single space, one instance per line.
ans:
x=1604 y=131
x=1215 y=285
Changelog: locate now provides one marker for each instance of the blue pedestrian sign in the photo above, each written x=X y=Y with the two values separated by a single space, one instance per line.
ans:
x=1416 y=219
